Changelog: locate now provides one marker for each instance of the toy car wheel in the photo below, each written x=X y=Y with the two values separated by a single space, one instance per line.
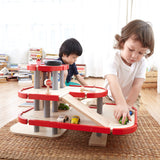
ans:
x=67 y=118
x=62 y=118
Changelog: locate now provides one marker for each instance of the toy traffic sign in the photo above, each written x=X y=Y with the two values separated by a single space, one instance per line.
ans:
x=48 y=83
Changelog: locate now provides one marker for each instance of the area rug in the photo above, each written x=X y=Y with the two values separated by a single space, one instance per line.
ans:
x=73 y=145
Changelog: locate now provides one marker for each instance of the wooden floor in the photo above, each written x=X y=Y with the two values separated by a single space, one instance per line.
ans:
x=151 y=101
x=9 y=100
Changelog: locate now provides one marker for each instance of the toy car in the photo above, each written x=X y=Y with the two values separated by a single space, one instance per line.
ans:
x=62 y=118
x=127 y=120
x=63 y=106
x=75 y=119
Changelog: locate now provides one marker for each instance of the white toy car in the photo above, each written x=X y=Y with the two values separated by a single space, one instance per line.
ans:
x=62 y=118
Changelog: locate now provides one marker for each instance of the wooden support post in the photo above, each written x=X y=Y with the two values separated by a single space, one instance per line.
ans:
x=98 y=140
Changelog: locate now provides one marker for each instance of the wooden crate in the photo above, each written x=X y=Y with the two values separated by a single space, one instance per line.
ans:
x=151 y=80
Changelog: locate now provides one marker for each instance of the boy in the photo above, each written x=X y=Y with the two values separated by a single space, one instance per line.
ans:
x=69 y=51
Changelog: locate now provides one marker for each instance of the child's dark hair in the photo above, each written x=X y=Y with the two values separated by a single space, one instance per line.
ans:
x=141 y=31
x=70 y=46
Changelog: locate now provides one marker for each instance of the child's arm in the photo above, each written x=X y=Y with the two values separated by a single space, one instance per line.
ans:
x=122 y=106
x=65 y=76
x=134 y=92
x=81 y=80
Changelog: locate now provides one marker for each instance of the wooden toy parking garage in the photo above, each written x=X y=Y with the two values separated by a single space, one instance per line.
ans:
x=41 y=120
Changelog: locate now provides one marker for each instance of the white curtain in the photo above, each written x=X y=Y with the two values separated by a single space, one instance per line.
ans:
x=148 y=10
x=46 y=24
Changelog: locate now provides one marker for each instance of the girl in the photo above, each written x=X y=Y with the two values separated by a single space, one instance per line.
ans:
x=125 y=71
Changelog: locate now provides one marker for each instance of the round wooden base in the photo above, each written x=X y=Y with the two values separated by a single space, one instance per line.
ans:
x=28 y=130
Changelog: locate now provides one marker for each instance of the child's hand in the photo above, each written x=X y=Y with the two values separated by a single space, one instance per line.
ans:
x=122 y=111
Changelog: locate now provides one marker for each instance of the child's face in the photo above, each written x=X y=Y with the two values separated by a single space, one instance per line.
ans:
x=132 y=51
x=69 y=59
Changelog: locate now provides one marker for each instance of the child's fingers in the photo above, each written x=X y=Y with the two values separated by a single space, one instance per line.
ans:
x=117 y=115
x=124 y=118
x=129 y=117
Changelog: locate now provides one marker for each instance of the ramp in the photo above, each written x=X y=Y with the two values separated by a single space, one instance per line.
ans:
x=94 y=116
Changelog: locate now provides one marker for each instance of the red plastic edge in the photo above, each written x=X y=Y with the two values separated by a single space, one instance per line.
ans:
x=44 y=97
x=23 y=95
x=42 y=67
x=98 y=129
x=89 y=95
x=49 y=68
x=77 y=94
x=45 y=68
x=21 y=119
x=128 y=130
x=97 y=95
x=37 y=96
x=69 y=126
x=53 y=124
x=56 y=97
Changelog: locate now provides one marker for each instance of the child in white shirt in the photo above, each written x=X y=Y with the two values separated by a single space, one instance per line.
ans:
x=125 y=71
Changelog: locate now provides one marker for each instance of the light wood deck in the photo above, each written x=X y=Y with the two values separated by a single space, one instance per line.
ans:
x=9 y=100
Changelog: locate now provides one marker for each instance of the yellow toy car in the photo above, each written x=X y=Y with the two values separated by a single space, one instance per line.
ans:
x=75 y=119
